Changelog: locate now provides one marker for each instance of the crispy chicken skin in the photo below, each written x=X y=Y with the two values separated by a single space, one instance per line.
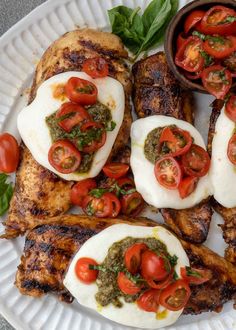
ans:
x=38 y=192
x=49 y=248
x=156 y=91
x=228 y=214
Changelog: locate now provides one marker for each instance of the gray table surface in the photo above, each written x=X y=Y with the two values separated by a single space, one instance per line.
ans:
x=11 y=11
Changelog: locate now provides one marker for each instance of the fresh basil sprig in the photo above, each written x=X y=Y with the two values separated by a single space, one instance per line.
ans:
x=141 y=33
x=6 y=192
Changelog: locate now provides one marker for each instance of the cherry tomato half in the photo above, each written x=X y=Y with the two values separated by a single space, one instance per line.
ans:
x=230 y=108
x=97 y=133
x=175 y=296
x=168 y=172
x=126 y=183
x=80 y=190
x=154 y=267
x=83 y=272
x=193 y=18
x=176 y=140
x=108 y=205
x=71 y=114
x=126 y=285
x=149 y=300
x=230 y=63
x=81 y=91
x=115 y=170
x=161 y=284
x=218 y=20
x=217 y=80
x=196 y=161
x=9 y=153
x=64 y=157
x=219 y=46
x=181 y=40
x=133 y=257
x=231 y=151
x=187 y=186
x=189 y=56
x=193 y=275
x=193 y=76
x=132 y=204
x=96 y=67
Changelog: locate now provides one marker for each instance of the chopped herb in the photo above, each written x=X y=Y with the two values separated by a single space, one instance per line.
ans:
x=229 y=19
x=199 y=35
x=110 y=126
x=90 y=210
x=191 y=272
x=98 y=192
x=6 y=192
x=208 y=59
x=175 y=276
x=173 y=260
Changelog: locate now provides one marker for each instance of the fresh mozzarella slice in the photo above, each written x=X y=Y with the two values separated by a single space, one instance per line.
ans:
x=35 y=133
x=97 y=248
x=143 y=170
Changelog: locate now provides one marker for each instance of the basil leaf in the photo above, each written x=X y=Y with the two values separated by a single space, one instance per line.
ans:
x=6 y=192
x=97 y=192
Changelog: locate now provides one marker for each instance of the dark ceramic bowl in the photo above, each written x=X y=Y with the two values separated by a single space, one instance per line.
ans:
x=176 y=26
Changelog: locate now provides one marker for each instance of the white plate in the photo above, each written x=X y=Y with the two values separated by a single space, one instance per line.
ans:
x=20 y=49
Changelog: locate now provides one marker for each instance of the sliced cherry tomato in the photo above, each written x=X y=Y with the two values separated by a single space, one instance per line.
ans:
x=132 y=204
x=218 y=20
x=230 y=63
x=175 y=296
x=154 y=267
x=81 y=91
x=231 y=151
x=96 y=136
x=80 y=190
x=189 y=55
x=149 y=300
x=230 y=108
x=176 y=140
x=126 y=285
x=217 y=80
x=181 y=40
x=115 y=170
x=133 y=257
x=196 y=161
x=9 y=153
x=83 y=272
x=71 y=114
x=193 y=275
x=193 y=18
x=193 y=76
x=64 y=157
x=161 y=284
x=187 y=186
x=108 y=205
x=219 y=46
x=126 y=183
x=96 y=67
x=168 y=172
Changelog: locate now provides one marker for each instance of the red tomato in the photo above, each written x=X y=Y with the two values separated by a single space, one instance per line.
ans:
x=189 y=56
x=64 y=157
x=230 y=63
x=175 y=296
x=80 y=190
x=96 y=143
x=196 y=161
x=177 y=140
x=77 y=114
x=193 y=275
x=126 y=285
x=108 y=205
x=154 y=267
x=126 y=183
x=230 y=108
x=9 y=153
x=231 y=151
x=180 y=40
x=96 y=67
x=132 y=204
x=193 y=18
x=187 y=186
x=193 y=76
x=219 y=46
x=83 y=272
x=217 y=80
x=133 y=257
x=149 y=300
x=218 y=20
x=115 y=170
x=161 y=284
x=168 y=172
x=81 y=91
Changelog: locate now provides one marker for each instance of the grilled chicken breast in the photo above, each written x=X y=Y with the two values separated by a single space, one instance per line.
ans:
x=157 y=92
x=38 y=192
x=49 y=248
